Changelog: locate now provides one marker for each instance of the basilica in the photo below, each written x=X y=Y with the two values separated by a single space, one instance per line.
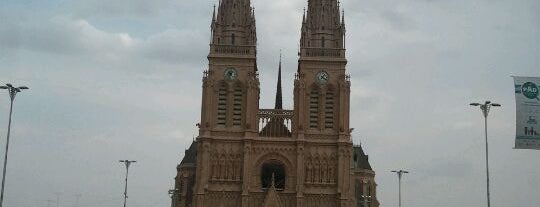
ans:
x=245 y=156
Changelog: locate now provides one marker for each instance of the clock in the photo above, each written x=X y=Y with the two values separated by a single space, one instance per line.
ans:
x=230 y=74
x=322 y=77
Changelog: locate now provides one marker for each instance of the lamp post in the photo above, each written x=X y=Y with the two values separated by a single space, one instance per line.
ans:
x=12 y=93
x=128 y=163
x=58 y=198
x=485 y=107
x=77 y=198
x=400 y=173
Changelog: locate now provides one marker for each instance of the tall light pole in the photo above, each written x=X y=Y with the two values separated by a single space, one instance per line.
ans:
x=58 y=199
x=77 y=198
x=127 y=163
x=12 y=93
x=400 y=173
x=49 y=202
x=485 y=107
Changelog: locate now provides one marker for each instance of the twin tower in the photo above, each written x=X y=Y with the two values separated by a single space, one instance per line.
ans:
x=245 y=156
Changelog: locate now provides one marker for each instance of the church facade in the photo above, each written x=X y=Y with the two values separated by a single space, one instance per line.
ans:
x=245 y=156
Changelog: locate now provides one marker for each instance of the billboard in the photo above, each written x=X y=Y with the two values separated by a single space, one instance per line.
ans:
x=527 y=112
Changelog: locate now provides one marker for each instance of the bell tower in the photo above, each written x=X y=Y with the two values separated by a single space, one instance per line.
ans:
x=322 y=88
x=230 y=85
x=321 y=103
x=230 y=103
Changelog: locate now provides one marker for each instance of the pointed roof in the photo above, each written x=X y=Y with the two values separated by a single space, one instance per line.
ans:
x=279 y=98
x=272 y=198
x=275 y=128
x=190 y=155
x=360 y=159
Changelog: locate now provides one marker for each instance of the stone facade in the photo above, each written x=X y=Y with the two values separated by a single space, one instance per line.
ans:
x=250 y=157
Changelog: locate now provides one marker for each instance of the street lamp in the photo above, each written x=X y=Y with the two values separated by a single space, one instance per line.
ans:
x=485 y=110
x=12 y=93
x=128 y=163
x=400 y=173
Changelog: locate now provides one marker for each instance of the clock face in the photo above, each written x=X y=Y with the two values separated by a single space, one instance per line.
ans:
x=230 y=74
x=322 y=77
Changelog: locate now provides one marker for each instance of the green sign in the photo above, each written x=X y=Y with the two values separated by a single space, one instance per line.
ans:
x=530 y=90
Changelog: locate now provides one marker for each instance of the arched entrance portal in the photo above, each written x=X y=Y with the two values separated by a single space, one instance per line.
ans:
x=273 y=168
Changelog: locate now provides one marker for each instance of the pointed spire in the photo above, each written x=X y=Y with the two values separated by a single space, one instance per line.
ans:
x=279 y=100
x=304 y=17
x=343 y=17
x=234 y=18
x=214 y=14
x=322 y=15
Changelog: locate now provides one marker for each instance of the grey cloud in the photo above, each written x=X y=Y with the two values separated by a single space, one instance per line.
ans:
x=399 y=20
x=176 y=46
x=454 y=167
x=102 y=76
x=119 y=8
x=63 y=36
x=78 y=37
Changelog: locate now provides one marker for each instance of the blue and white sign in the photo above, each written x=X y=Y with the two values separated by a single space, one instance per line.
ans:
x=527 y=112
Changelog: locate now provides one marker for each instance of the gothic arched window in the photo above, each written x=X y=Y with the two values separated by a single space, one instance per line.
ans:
x=329 y=109
x=323 y=42
x=238 y=101
x=314 y=108
x=222 y=105
x=273 y=170
x=233 y=39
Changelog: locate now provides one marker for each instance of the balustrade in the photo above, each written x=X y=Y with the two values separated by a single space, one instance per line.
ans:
x=232 y=49
x=323 y=52
x=275 y=122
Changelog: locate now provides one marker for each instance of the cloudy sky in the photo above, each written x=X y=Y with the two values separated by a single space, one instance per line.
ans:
x=121 y=79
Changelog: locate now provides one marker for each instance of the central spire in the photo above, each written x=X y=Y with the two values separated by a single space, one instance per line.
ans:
x=279 y=99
